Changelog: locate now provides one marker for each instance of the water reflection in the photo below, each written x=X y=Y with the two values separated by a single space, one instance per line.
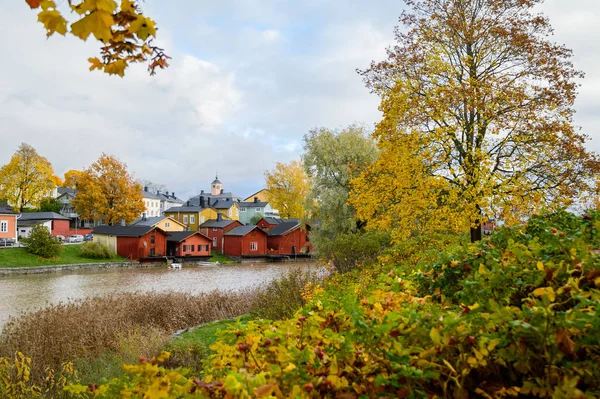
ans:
x=23 y=293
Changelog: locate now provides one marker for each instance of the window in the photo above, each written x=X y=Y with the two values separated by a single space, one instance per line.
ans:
x=167 y=224
x=215 y=229
x=253 y=246
x=229 y=212
x=185 y=248
x=192 y=219
x=206 y=248
x=185 y=219
x=201 y=219
x=242 y=209
x=258 y=209
x=214 y=241
x=151 y=239
x=307 y=238
x=3 y=226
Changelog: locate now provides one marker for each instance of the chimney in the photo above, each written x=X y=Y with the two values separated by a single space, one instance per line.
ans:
x=146 y=188
x=208 y=201
x=187 y=203
x=122 y=222
x=144 y=216
x=221 y=191
x=219 y=217
x=157 y=192
x=202 y=201
x=227 y=199
x=173 y=194
x=201 y=191
x=255 y=200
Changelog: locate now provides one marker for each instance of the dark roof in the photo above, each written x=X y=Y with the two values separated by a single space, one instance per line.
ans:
x=242 y=230
x=4 y=210
x=252 y=204
x=124 y=231
x=65 y=190
x=271 y=220
x=42 y=216
x=169 y=197
x=147 y=221
x=217 y=223
x=148 y=194
x=196 y=198
x=222 y=204
x=29 y=223
x=178 y=236
x=283 y=228
x=175 y=209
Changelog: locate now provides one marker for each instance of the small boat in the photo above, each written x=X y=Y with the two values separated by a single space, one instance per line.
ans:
x=175 y=265
x=202 y=263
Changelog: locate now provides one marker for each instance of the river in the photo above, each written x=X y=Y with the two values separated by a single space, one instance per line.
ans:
x=23 y=293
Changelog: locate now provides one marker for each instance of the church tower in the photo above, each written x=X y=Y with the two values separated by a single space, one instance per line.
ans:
x=216 y=186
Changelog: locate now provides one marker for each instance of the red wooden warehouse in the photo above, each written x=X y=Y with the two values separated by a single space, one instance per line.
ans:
x=289 y=238
x=267 y=223
x=133 y=242
x=188 y=243
x=215 y=229
x=245 y=241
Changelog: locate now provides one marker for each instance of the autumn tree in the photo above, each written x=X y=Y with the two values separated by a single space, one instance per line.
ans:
x=490 y=97
x=332 y=158
x=125 y=32
x=289 y=187
x=26 y=179
x=72 y=177
x=106 y=191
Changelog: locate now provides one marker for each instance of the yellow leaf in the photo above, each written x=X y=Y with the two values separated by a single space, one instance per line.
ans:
x=289 y=367
x=97 y=23
x=482 y=269
x=265 y=390
x=333 y=369
x=143 y=27
x=597 y=282
x=547 y=291
x=435 y=336
x=92 y=5
x=53 y=22
x=474 y=306
x=447 y=363
x=96 y=63
x=116 y=68
x=540 y=266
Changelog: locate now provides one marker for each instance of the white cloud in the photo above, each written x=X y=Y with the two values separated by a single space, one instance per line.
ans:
x=271 y=35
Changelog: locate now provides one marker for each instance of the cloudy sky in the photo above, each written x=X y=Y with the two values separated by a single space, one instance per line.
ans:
x=248 y=79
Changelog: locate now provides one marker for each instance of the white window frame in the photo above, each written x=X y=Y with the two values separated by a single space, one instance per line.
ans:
x=185 y=219
x=242 y=209
x=258 y=209
x=192 y=219
x=229 y=212
x=167 y=224
x=254 y=246
x=3 y=226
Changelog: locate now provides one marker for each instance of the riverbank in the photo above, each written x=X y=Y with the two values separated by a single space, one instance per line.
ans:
x=19 y=257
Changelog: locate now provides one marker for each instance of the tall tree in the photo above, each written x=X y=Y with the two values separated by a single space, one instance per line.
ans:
x=71 y=178
x=491 y=98
x=50 y=204
x=125 y=32
x=332 y=158
x=26 y=179
x=289 y=188
x=107 y=192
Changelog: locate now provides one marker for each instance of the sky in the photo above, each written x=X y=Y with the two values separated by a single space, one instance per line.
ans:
x=247 y=80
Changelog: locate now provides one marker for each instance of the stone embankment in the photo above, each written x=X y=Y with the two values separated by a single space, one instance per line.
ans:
x=80 y=266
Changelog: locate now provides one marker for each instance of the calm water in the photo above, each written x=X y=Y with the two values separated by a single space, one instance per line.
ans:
x=22 y=293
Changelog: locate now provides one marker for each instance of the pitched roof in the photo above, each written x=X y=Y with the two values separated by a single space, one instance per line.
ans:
x=66 y=190
x=196 y=198
x=222 y=204
x=251 y=197
x=149 y=221
x=124 y=231
x=283 y=228
x=275 y=221
x=242 y=230
x=149 y=195
x=176 y=209
x=252 y=204
x=29 y=223
x=217 y=223
x=42 y=216
x=178 y=236
x=169 y=197
x=5 y=210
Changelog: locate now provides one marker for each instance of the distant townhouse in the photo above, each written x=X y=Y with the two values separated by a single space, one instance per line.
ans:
x=168 y=201
x=255 y=208
x=262 y=195
x=192 y=216
x=215 y=230
x=152 y=203
x=188 y=244
x=8 y=226
x=245 y=241
x=55 y=223
x=164 y=223
x=65 y=195
x=289 y=238
x=133 y=242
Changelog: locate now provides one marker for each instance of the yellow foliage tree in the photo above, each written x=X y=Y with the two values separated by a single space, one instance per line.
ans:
x=491 y=100
x=126 y=34
x=26 y=179
x=71 y=178
x=288 y=187
x=107 y=192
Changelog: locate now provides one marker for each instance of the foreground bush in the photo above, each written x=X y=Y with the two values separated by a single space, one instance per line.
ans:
x=95 y=250
x=349 y=251
x=43 y=244
x=120 y=323
x=516 y=315
x=283 y=297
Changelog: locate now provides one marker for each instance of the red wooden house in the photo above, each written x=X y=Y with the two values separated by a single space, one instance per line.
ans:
x=133 y=242
x=188 y=243
x=289 y=238
x=56 y=223
x=245 y=241
x=215 y=229
x=267 y=223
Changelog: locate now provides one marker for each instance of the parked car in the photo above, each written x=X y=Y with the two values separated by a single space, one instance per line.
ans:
x=88 y=237
x=7 y=242
x=75 y=238
x=60 y=238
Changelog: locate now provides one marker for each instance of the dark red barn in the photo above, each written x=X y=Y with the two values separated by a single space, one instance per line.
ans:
x=215 y=229
x=133 y=242
x=245 y=241
x=267 y=223
x=188 y=243
x=289 y=238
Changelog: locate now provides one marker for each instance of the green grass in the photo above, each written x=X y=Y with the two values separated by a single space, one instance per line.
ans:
x=19 y=257
x=217 y=257
x=191 y=348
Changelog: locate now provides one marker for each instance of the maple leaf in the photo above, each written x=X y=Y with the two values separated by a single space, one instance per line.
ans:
x=143 y=27
x=96 y=63
x=116 y=68
x=97 y=23
x=33 y=3
x=93 y=5
x=53 y=22
x=127 y=6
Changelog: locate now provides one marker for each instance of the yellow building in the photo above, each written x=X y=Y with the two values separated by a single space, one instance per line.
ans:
x=164 y=223
x=229 y=209
x=262 y=195
x=191 y=216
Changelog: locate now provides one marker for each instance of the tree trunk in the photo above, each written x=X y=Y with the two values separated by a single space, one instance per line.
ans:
x=476 y=233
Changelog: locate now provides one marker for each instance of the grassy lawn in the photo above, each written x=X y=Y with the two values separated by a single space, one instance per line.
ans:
x=19 y=257
x=217 y=257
